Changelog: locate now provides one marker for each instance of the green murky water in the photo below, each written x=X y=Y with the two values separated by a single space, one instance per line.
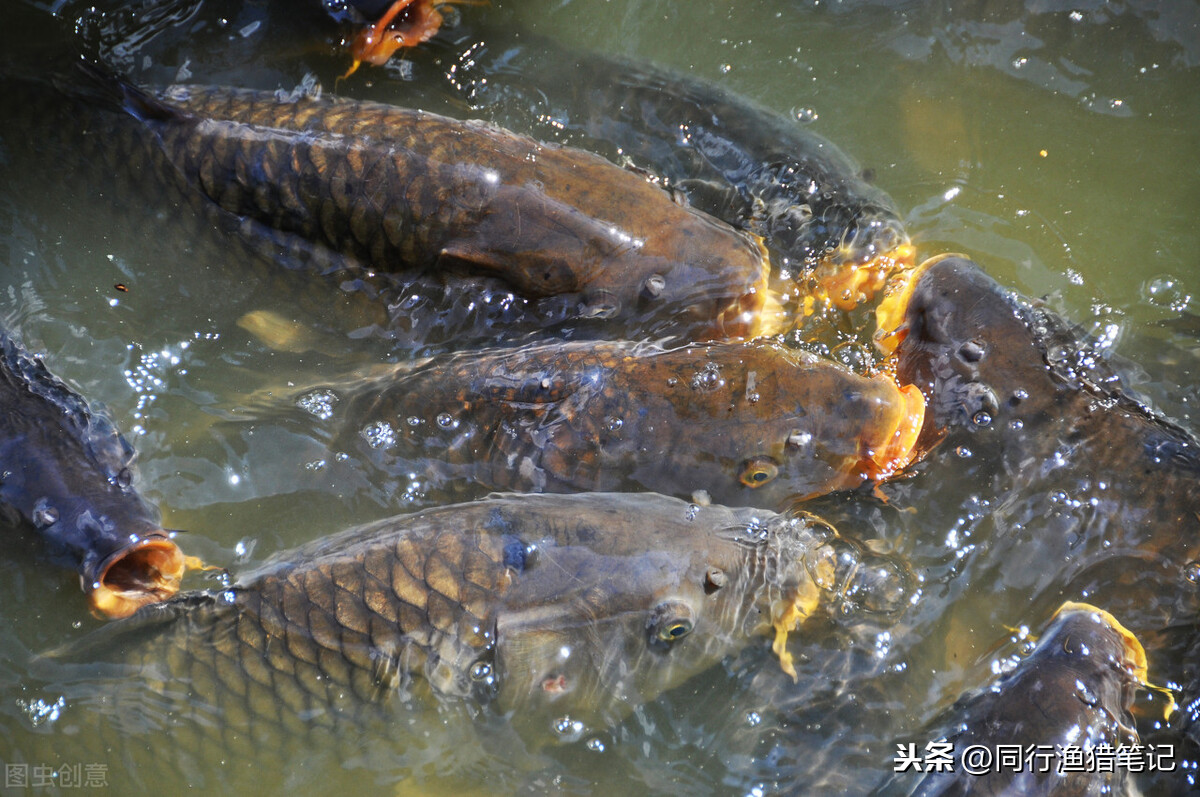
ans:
x=1055 y=143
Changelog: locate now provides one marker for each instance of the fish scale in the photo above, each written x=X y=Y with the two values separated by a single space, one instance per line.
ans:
x=481 y=229
x=402 y=189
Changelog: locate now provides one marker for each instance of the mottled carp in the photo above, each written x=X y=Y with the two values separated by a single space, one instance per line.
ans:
x=755 y=168
x=67 y=473
x=526 y=608
x=752 y=423
x=1063 y=705
x=372 y=187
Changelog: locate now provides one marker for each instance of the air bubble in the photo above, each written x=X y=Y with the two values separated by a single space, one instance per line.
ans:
x=481 y=671
x=708 y=378
x=566 y=727
x=318 y=403
x=654 y=286
x=44 y=515
x=982 y=418
x=379 y=434
x=805 y=115
x=39 y=711
x=1191 y=571
x=1085 y=693
x=964 y=452
x=595 y=745
x=447 y=421
x=1166 y=291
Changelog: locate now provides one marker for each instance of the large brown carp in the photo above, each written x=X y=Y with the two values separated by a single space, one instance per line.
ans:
x=755 y=168
x=67 y=473
x=752 y=423
x=534 y=610
x=367 y=187
x=1045 y=727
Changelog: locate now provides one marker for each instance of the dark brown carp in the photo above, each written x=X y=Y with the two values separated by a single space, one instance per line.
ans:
x=1012 y=380
x=528 y=609
x=374 y=187
x=1064 y=707
x=66 y=472
x=1091 y=494
x=748 y=423
x=736 y=160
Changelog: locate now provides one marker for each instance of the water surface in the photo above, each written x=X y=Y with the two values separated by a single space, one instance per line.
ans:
x=1053 y=142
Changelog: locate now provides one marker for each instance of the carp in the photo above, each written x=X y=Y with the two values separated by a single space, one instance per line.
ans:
x=1091 y=492
x=1011 y=379
x=1071 y=697
x=755 y=168
x=367 y=187
x=748 y=423
x=525 y=609
x=68 y=474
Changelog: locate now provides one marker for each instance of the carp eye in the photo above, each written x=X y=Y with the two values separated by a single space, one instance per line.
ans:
x=670 y=621
x=758 y=471
x=676 y=630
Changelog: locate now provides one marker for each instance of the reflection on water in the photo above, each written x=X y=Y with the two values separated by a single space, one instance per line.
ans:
x=1054 y=143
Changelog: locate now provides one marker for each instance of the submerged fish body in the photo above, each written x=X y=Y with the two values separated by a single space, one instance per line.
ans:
x=378 y=187
x=527 y=607
x=752 y=167
x=746 y=423
x=68 y=473
x=1070 y=696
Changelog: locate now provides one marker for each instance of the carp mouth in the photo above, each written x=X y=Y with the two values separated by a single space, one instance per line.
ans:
x=899 y=448
x=892 y=312
x=146 y=572
x=754 y=313
x=846 y=285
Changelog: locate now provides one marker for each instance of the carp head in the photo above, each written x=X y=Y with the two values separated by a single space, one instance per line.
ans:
x=597 y=625
x=973 y=348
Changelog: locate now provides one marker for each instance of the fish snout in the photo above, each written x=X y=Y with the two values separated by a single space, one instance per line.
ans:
x=146 y=569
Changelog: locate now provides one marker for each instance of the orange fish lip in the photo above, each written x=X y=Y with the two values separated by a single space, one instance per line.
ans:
x=890 y=314
x=846 y=286
x=899 y=449
x=148 y=571
x=1135 y=654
